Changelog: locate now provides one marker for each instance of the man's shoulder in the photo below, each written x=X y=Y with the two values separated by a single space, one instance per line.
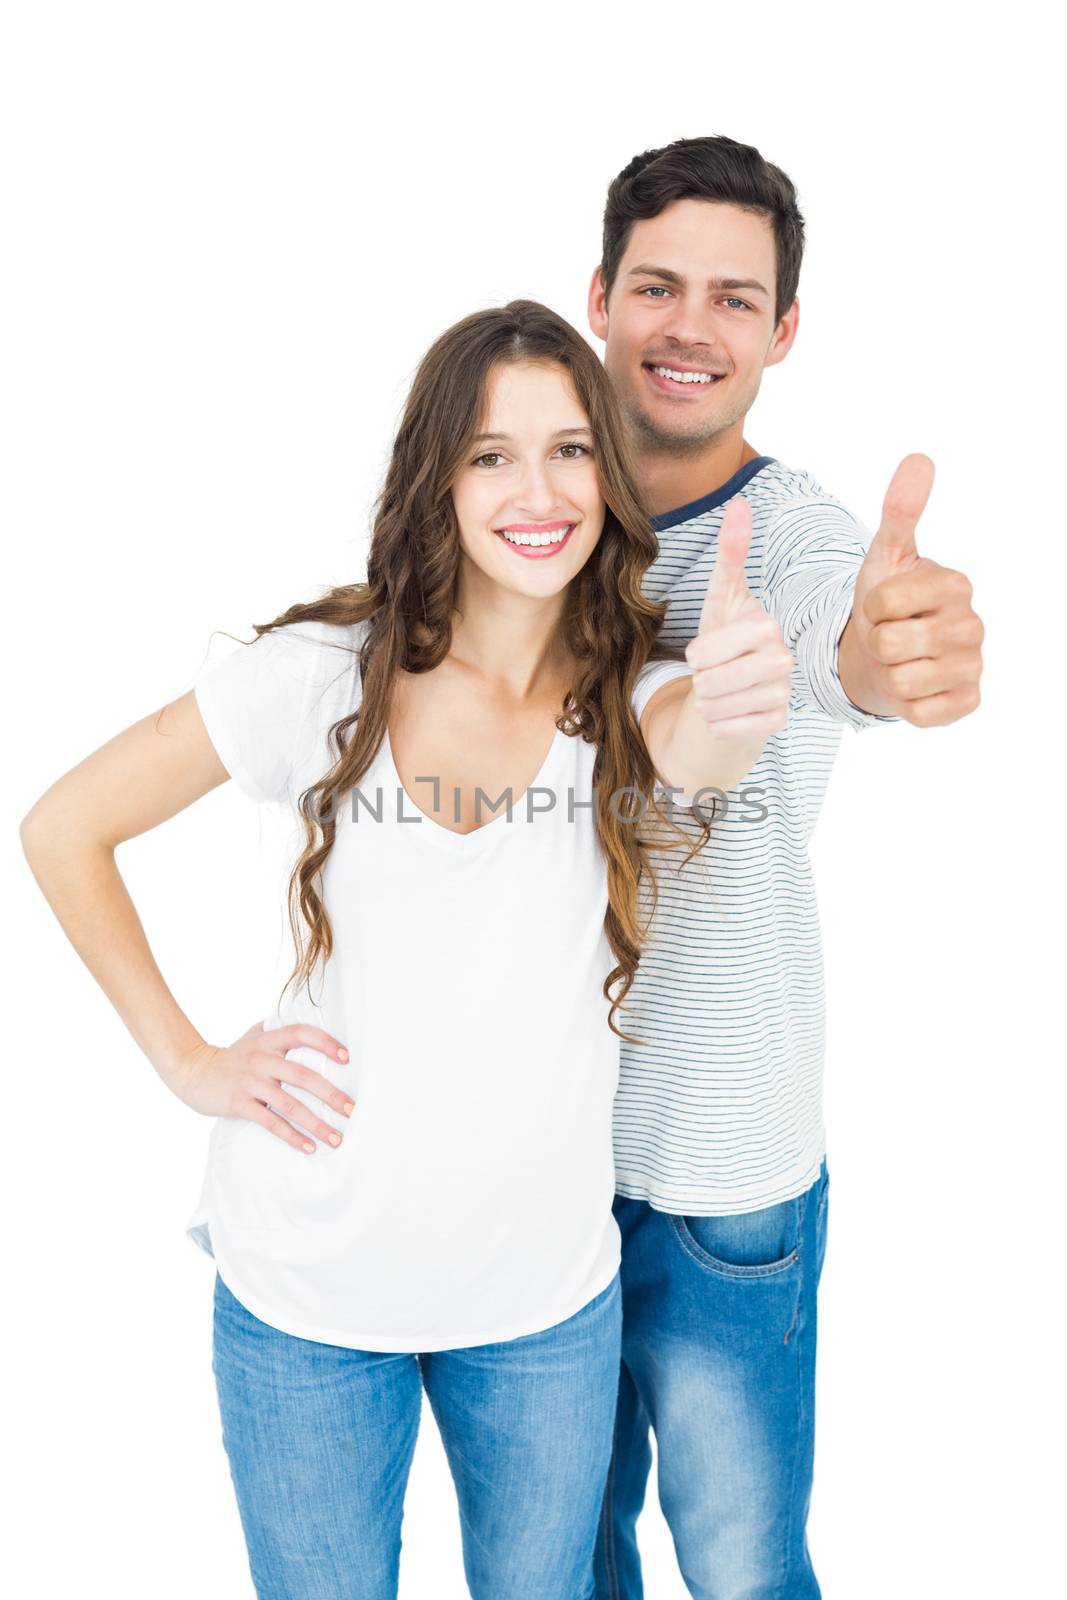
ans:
x=779 y=484
x=790 y=500
x=789 y=504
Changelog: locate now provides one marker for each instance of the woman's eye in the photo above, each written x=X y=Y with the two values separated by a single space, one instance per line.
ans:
x=489 y=455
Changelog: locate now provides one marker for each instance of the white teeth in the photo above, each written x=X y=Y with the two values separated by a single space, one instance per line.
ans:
x=536 y=538
x=683 y=377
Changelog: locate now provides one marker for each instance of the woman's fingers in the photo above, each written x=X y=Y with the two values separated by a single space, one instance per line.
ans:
x=771 y=665
x=770 y=695
x=270 y=1066
x=267 y=1070
x=304 y=1036
x=281 y=1111
x=278 y=1126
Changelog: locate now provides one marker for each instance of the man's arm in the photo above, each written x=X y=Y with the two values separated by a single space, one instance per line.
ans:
x=855 y=678
x=892 y=637
x=813 y=554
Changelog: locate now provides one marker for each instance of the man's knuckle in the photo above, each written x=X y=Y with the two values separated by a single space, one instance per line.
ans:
x=899 y=678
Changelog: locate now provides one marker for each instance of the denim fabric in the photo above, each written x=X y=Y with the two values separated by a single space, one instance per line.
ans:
x=320 y=1440
x=718 y=1359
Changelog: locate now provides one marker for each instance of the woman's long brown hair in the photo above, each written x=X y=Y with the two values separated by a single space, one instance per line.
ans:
x=609 y=627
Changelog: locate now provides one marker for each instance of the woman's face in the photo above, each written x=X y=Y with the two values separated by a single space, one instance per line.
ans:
x=527 y=498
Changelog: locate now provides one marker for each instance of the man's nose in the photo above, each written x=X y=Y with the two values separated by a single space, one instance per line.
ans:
x=689 y=326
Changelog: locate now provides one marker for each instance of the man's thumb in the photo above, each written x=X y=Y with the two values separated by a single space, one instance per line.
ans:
x=727 y=583
x=905 y=501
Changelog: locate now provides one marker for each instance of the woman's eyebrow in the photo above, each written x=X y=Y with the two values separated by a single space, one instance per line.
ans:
x=479 y=437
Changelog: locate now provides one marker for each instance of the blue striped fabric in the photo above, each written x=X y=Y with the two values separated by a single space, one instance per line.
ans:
x=721 y=1109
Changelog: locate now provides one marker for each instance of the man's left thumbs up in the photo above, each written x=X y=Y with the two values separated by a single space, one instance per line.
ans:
x=742 y=664
x=911 y=648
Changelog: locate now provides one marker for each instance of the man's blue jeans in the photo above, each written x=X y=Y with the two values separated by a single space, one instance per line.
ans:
x=718 y=1358
x=320 y=1440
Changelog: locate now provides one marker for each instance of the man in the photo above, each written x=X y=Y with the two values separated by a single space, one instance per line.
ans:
x=721 y=1177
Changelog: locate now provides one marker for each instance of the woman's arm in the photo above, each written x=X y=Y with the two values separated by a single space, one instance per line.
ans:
x=686 y=753
x=149 y=772
x=144 y=775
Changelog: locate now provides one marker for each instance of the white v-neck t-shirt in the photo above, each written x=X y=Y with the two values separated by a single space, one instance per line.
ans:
x=470 y=1200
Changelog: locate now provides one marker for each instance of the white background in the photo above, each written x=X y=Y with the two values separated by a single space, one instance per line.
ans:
x=232 y=230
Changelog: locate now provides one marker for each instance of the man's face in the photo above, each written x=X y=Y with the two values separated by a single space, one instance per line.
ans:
x=694 y=294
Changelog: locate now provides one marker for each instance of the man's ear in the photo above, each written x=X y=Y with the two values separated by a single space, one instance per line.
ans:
x=598 y=307
x=784 y=334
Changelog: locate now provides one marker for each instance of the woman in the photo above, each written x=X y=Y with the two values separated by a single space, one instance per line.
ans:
x=410 y=1176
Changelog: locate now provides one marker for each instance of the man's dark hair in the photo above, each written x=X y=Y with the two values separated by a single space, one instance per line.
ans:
x=713 y=168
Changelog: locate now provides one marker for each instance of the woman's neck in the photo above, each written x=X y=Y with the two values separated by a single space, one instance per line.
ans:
x=510 y=640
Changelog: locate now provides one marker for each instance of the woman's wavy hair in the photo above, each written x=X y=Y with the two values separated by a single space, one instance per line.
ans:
x=408 y=602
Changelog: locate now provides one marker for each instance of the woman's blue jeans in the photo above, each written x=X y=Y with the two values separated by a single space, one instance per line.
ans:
x=320 y=1440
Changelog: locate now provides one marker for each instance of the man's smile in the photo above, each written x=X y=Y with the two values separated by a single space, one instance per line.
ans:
x=681 y=379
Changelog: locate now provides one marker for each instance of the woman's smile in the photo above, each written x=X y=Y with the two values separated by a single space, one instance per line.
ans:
x=534 y=540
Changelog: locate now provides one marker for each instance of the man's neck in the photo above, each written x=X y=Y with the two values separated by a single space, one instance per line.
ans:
x=668 y=482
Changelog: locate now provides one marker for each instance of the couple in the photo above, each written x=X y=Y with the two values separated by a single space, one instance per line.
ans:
x=547 y=1140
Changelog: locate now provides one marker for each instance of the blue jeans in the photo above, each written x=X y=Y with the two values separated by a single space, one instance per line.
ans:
x=320 y=1440
x=718 y=1358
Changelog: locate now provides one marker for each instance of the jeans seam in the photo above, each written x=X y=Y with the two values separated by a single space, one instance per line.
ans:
x=607 y=1515
x=799 y=1433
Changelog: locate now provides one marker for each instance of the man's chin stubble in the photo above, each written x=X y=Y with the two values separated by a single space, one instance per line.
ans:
x=656 y=441
x=647 y=437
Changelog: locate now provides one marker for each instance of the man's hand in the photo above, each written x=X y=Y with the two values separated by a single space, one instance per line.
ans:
x=741 y=681
x=912 y=646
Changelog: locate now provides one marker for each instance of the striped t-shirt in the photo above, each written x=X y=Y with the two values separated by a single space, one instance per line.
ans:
x=721 y=1109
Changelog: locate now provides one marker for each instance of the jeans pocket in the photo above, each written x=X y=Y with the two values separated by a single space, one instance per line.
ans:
x=749 y=1244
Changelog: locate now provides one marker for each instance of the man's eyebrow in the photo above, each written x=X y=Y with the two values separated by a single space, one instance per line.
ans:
x=648 y=270
x=506 y=437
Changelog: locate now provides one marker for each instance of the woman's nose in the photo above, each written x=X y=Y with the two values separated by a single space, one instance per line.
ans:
x=537 y=492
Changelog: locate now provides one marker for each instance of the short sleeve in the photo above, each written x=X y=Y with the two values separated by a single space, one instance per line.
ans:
x=812 y=556
x=653 y=675
x=257 y=703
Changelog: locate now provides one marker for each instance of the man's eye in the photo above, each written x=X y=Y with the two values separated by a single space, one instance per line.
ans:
x=653 y=288
x=732 y=300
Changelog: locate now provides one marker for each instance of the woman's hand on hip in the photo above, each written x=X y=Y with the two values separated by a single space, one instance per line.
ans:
x=245 y=1079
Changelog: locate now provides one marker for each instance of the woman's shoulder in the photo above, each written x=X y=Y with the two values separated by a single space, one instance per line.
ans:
x=315 y=650
x=325 y=635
